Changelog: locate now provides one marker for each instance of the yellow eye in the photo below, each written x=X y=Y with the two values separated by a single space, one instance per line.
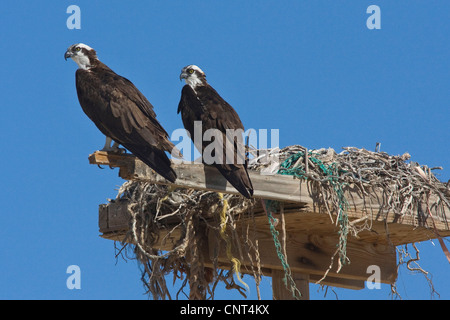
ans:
x=77 y=49
x=191 y=71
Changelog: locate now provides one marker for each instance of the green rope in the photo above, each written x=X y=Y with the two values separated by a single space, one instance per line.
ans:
x=342 y=216
x=289 y=282
x=332 y=173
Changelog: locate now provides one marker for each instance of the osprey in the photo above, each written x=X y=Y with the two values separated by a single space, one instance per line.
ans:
x=120 y=111
x=201 y=104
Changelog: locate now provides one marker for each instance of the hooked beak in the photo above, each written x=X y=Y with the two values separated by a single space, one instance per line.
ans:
x=183 y=75
x=68 y=54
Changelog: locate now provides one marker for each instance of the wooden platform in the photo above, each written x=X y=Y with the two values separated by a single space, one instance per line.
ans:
x=311 y=236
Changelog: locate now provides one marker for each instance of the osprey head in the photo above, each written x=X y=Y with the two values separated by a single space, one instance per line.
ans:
x=82 y=54
x=193 y=75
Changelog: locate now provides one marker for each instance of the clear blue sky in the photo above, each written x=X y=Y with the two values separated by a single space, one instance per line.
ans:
x=309 y=68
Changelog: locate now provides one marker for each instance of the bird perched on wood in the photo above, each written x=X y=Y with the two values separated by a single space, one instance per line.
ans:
x=201 y=104
x=120 y=111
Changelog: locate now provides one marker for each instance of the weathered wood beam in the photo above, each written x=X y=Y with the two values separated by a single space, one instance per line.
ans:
x=201 y=177
x=270 y=187
x=308 y=251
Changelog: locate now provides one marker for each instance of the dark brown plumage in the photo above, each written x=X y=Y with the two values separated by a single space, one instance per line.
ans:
x=200 y=102
x=120 y=111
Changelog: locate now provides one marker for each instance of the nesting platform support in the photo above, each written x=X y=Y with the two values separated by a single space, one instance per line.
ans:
x=311 y=237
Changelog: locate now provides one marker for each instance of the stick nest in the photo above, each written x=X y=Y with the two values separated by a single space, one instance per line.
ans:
x=159 y=214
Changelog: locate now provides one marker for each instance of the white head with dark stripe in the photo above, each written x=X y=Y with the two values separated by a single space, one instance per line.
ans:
x=83 y=55
x=193 y=75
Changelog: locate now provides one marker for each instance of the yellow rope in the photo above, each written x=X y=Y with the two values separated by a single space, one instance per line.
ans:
x=223 y=225
x=169 y=191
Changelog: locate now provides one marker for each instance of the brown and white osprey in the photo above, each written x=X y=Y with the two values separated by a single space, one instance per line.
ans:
x=120 y=111
x=200 y=103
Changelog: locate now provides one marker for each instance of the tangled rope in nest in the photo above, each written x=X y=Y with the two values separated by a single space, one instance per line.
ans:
x=406 y=187
x=405 y=184
x=193 y=213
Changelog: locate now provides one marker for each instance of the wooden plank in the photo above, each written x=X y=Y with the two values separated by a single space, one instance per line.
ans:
x=270 y=187
x=169 y=241
x=114 y=160
x=114 y=218
x=224 y=264
x=113 y=225
x=201 y=177
x=310 y=252
x=301 y=220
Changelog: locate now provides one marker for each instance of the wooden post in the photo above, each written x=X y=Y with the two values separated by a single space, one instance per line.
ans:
x=281 y=292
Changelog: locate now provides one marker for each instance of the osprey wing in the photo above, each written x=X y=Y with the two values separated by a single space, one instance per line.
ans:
x=206 y=105
x=121 y=112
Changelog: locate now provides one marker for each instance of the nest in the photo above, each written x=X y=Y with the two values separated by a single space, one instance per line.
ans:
x=194 y=214
x=404 y=184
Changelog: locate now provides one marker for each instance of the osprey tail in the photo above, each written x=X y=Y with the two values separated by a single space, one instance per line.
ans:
x=156 y=159
x=239 y=178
